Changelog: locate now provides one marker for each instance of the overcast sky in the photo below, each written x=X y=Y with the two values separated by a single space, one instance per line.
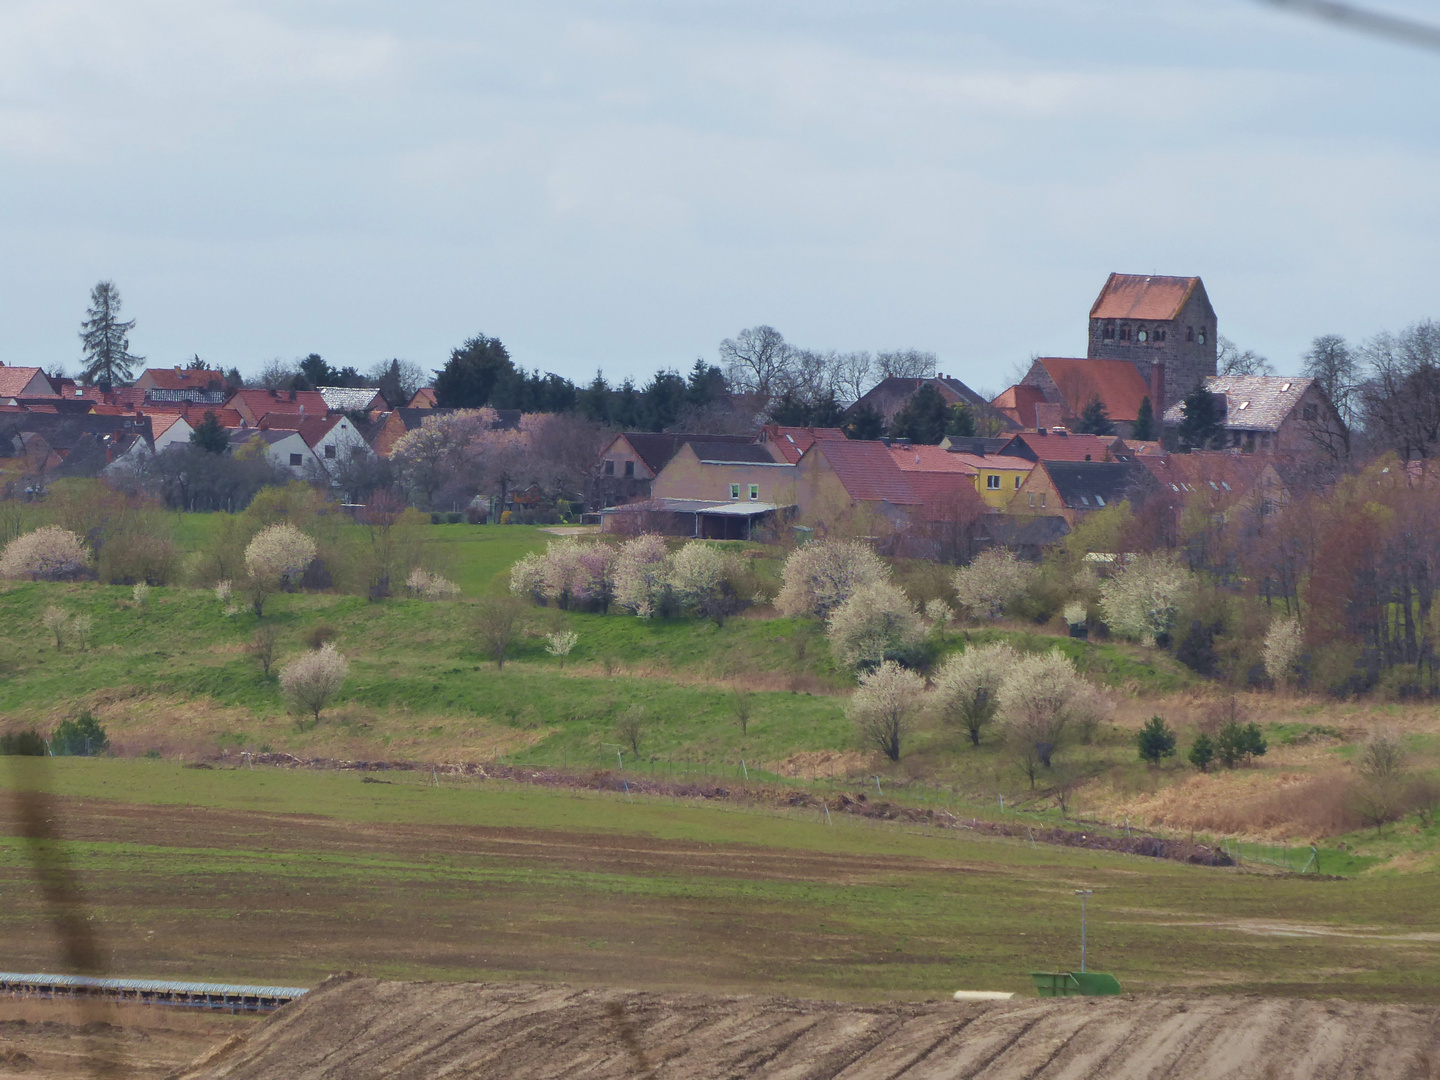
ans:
x=624 y=184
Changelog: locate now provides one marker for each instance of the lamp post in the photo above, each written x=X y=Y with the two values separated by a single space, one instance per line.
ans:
x=1083 y=893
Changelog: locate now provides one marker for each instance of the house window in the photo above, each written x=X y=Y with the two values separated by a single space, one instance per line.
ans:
x=1109 y=333
x=1311 y=413
x=294 y=460
x=734 y=491
x=1201 y=336
x=754 y=492
x=329 y=450
x=1189 y=333
x=1100 y=499
x=1032 y=498
x=1124 y=333
x=609 y=467
x=629 y=468
x=1017 y=483
x=1042 y=500
x=992 y=482
x=1159 y=335
x=1142 y=336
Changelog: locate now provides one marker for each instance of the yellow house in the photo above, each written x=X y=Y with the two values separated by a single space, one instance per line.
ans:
x=726 y=472
x=997 y=477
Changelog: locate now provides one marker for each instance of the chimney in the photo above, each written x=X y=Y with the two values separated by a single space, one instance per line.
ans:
x=1157 y=390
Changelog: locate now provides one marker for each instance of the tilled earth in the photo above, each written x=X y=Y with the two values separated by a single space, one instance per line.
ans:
x=352 y=1028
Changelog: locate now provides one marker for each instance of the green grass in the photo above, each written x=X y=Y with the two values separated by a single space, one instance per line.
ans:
x=286 y=876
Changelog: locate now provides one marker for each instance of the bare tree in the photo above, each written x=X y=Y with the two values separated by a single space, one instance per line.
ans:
x=854 y=375
x=741 y=706
x=1399 y=404
x=906 y=364
x=1232 y=360
x=498 y=625
x=758 y=360
x=630 y=729
x=262 y=647
x=1334 y=365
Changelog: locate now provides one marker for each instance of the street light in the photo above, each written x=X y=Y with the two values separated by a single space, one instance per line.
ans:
x=1083 y=893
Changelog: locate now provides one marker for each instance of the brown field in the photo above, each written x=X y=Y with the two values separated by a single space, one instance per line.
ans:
x=408 y=1031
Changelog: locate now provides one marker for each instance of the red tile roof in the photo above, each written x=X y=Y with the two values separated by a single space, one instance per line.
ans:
x=1136 y=296
x=195 y=414
x=1067 y=447
x=930 y=459
x=424 y=398
x=181 y=379
x=1115 y=382
x=14 y=380
x=260 y=402
x=163 y=422
x=788 y=443
x=869 y=473
x=1018 y=404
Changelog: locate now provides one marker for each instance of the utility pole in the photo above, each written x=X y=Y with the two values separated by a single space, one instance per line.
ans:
x=1083 y=894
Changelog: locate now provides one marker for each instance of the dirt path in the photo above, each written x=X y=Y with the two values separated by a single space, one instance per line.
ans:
x=353 y=1027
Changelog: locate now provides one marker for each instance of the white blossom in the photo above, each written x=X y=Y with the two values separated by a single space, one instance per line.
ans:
x=883 y=706
x=821 y=576
x=992 y=582
x=49 y=553
x=312 y=681
x=1141 y=602
x=1284 y=642
x=876 y=619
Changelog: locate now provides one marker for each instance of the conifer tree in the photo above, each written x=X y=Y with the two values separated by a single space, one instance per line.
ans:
x=106 y=339
x=1143 y=429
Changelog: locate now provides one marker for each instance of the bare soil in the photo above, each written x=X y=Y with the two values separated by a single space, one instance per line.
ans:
x=356 y=1027
x=68 y=1040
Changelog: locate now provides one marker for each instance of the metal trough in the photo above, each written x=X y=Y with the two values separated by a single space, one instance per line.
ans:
x=221 y=997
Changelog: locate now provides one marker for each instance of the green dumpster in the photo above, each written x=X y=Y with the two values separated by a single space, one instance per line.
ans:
x=1074 y=983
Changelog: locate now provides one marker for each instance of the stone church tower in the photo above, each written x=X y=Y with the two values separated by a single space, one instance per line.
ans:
x=1153 y=321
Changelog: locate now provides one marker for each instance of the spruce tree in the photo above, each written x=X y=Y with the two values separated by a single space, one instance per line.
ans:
x=1143 y=429
x=1203 y=424
x=106 y=339
x=1095 y=420
x=210 y=435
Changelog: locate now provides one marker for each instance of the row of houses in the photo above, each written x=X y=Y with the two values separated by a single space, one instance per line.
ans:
x=60 y=427
x=1024 y=490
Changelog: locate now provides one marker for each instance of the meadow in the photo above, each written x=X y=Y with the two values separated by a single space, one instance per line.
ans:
x=286 y=876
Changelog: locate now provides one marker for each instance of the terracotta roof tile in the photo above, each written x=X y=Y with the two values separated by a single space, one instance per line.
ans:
x=1018 y=404
x=931 y=459
x=1115 y=382
x=1137 y=296
x=182 y=379
x=1068 y=447
x=789 y=443
x=14 y=380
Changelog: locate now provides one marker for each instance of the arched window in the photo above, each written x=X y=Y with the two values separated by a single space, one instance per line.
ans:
x=1109 y=332
x=1160 y=335
x=1189 y=333
x=1124 y=333
x=1202 y=335
x=1142 y=335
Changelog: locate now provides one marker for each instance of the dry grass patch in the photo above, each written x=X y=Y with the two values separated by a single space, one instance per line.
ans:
x=823 y=764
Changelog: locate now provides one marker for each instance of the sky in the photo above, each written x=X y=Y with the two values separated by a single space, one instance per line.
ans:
x=622 y=185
